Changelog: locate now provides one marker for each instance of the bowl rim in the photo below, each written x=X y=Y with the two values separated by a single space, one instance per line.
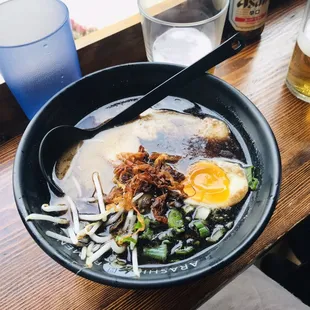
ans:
x=132 y=283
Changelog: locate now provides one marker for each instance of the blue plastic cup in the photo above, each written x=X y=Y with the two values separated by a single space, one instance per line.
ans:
x=37 y=51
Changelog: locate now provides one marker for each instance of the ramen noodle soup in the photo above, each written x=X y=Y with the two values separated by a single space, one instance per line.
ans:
x=154 y=191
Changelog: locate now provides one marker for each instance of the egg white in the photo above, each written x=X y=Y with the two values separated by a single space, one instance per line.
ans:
x=238 y=185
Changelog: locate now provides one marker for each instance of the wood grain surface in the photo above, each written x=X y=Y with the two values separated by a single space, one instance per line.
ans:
x=29 y=279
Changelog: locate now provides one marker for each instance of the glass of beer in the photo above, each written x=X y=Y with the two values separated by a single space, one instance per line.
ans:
x=298 y=77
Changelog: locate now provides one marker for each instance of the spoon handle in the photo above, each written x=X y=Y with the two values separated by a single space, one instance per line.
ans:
x=229 y=48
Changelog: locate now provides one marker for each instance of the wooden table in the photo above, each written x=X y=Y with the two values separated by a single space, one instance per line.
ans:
x=29 y=279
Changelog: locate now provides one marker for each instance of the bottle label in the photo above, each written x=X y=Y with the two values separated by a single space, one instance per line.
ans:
x=248 y=15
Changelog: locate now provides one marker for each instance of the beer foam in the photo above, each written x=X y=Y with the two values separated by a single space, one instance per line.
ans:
x=303 y=41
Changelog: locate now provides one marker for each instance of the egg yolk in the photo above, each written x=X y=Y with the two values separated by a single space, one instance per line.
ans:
x=206 y=182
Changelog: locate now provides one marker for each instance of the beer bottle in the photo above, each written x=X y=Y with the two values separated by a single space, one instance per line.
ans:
x=247 y=17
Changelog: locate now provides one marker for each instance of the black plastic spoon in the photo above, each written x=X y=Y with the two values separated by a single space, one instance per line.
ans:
x=65 y=136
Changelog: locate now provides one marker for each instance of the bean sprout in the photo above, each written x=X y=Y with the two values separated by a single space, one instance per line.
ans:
x=115 y=217
x=117 y=249
x=83 y=253
x=105 y=248
x=128 y=219
x=75 y=216
x=135 y=267
x=89 y=229
x=46 y=208
x=43 y=217
x=58 y=237
x=99 y=192
x=91 y=217
x=94 y=228
x=96 y=247
x=72 y=235
x=99 y=239
x=132 y=223
x=90 y=248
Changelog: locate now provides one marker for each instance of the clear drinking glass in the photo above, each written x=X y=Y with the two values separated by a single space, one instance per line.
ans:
x=298 y=77
x=37 y=52
x=181 y=31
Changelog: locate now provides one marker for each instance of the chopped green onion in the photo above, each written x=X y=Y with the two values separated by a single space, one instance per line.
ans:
x=158 y=253
x=188 y=209
x=147 y=222
x=253 y=184
x=185 y=251
x=139 y=224
x=202 y=213
x=198 y=224
x=129 y=239
x=201 y=228
x=175 y=219
x=147 y=234
x=204 y=232
x=179 y=230
x=252 y=181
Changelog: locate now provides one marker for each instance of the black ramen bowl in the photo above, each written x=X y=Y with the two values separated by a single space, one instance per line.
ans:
x=100 y=88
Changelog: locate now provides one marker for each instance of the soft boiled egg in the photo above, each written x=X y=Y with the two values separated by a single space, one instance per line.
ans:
x=215 y=184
